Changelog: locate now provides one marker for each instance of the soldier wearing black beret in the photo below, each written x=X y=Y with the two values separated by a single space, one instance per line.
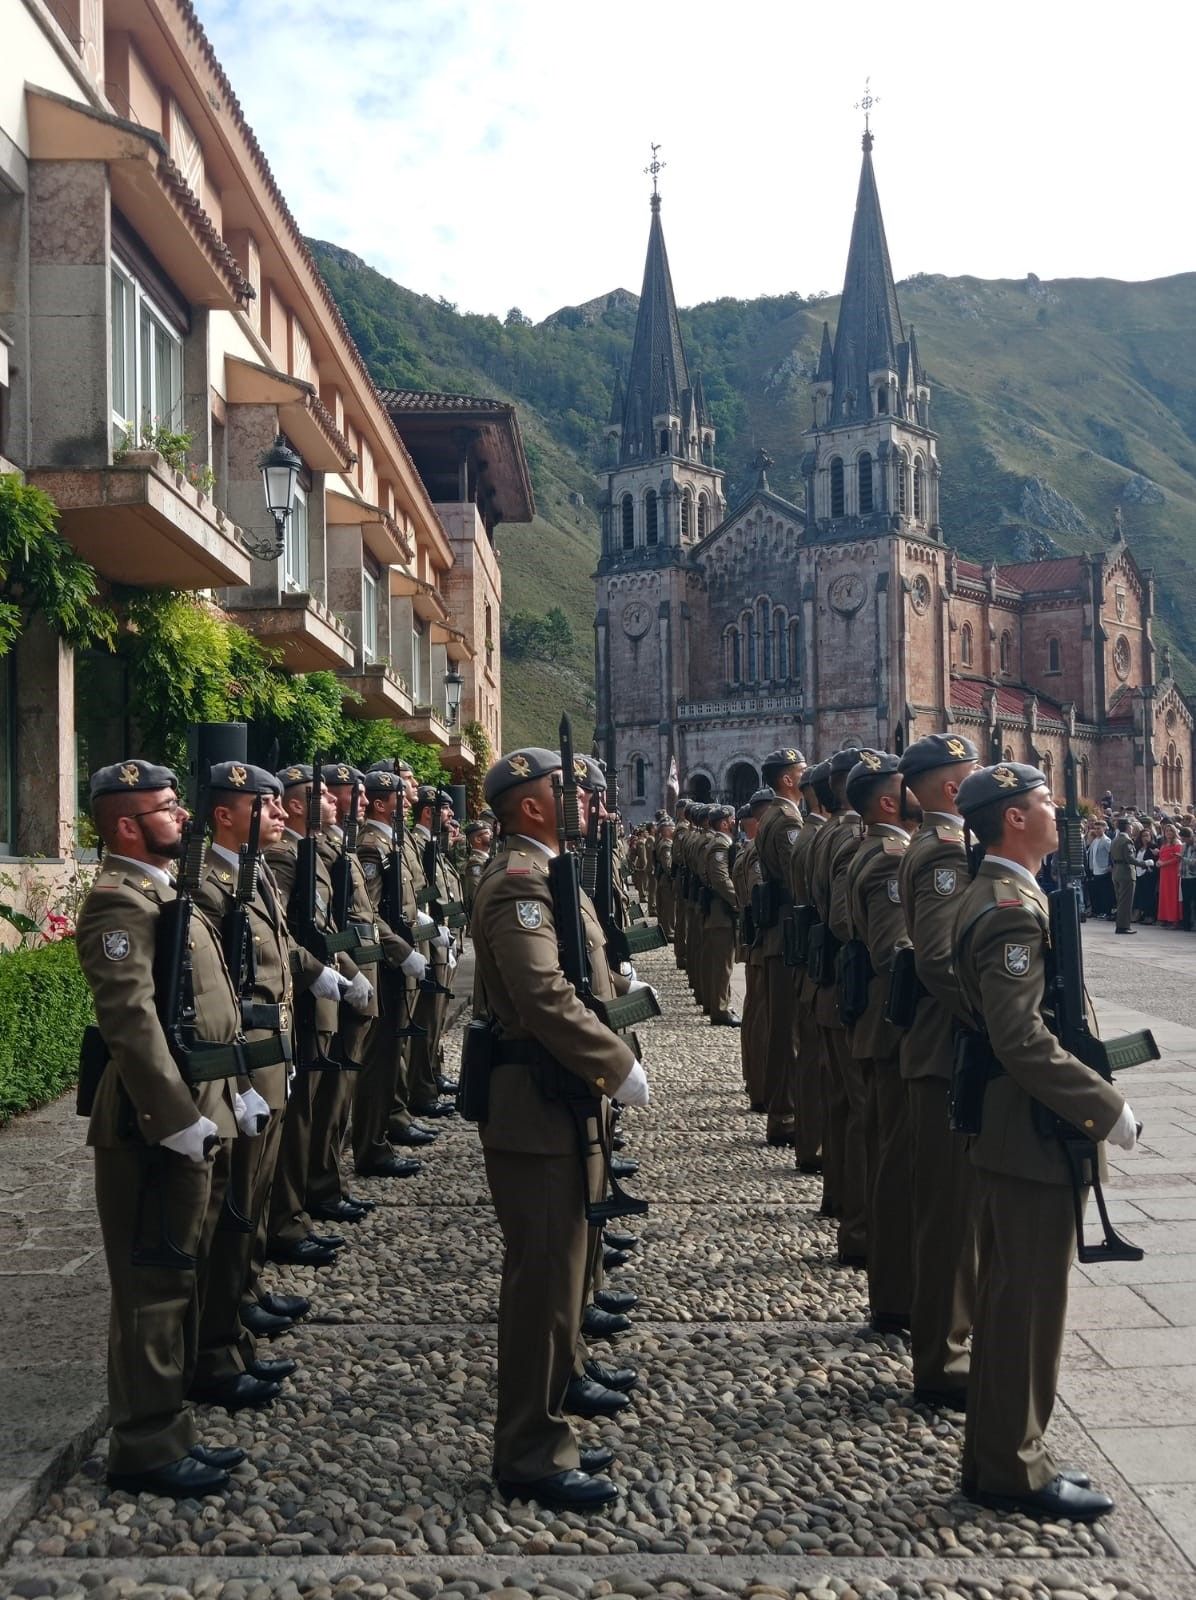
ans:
x=1024 y=1218
x=745 y=874
x=932 y=875
x=780 y=824
x=808 y=1086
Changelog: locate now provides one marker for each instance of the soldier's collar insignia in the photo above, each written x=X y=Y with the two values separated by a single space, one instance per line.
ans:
x=129 y=774
x=224 y=875
x=1006 y=778
x=520 y=767
x=146 y=883
x=956 y=747
x=237 y=776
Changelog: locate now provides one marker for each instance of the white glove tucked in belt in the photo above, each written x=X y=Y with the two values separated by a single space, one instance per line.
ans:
x=189 y=1141
x=252 y=1113
x=634 y=1089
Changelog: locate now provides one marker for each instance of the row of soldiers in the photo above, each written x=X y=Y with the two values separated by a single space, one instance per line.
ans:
x=224 y=1134
x=869 y=944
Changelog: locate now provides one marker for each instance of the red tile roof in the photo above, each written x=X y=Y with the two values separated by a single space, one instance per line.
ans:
x=424 y=400
x=1033 y=577
x=971 y=694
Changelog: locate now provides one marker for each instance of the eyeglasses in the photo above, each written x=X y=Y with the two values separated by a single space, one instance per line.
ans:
x=171 y=805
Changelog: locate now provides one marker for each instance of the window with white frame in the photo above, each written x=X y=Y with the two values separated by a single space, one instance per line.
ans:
x=417 y=662
x=369 y=617
x=147 y=361
x=294 y=548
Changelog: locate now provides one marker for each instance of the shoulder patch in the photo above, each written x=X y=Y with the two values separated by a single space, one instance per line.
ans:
x=1017 y=959
x=529 y=912
x=792 y=835
x=945 y=879
x=369 y=870
x=116 y=944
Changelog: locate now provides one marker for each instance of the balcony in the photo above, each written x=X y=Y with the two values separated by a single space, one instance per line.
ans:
x=310 y=638
x=140 y=522
x=425 y=726
x=383 y=693
x=380 y=533
x=459 y=757
x=426 y=599
x=735 y=706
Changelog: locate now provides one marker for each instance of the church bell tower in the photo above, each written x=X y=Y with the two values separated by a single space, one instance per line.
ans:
x=663 y=496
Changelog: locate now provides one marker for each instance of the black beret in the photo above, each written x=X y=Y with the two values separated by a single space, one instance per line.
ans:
x=294 y=775
x=791 y=756
x=1006 y=781
x=589 y=774
x=869 y=770
x=743 y=814
x=394 y=764
x=662 y=816
x=762 y=797
x=476 y=826
x=844 y=760
x=936 y=750
x=131 y=777
x=722 y=814
x=238 y=777
x=339 y=775
x=818 y=773
x=521 y=766
x=381 y=782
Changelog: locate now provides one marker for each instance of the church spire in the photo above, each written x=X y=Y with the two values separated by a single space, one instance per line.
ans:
x=869 y=334
x=657 y=377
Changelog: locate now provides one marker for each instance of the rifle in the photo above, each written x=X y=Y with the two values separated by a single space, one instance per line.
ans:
x=392 y=914
x=619 y=1013
x=342 y=868
x=622 y=943
x=1068 y=1021
x=236 y=932
x=448 y=913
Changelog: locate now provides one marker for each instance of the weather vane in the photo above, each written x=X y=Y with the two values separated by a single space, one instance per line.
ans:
x=865 y=105
x=655 y=166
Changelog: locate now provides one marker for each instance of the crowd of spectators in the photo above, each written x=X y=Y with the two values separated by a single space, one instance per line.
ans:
x=1164 y=864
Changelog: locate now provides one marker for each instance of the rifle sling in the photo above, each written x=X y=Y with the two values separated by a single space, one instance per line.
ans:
x=203 y=1062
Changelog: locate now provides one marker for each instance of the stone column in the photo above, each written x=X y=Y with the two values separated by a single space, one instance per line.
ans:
x=344 y=553
x=249 y=431
x=44 y=787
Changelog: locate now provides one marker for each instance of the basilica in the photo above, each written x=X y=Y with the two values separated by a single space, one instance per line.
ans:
x=723 y=632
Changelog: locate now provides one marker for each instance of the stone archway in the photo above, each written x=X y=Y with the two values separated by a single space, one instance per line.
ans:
x=742 y=781
x=700 y=788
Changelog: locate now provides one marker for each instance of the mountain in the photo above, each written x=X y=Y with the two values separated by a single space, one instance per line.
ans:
x=1056 y=403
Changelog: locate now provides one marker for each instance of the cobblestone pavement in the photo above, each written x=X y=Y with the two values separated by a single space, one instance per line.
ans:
x=772 y=1449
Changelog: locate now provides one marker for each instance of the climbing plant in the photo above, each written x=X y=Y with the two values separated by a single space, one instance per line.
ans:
x=41 y=574
x=475 y=736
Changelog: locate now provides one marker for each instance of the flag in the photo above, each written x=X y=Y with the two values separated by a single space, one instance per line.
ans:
x=673 y=786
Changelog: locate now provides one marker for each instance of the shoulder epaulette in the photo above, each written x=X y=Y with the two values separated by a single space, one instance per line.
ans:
x=945 y=830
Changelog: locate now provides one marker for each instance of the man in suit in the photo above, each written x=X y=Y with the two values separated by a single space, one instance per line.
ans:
x=1121 y=868
x=161 y=1142
x=538 y=1178
x=1025 y=1219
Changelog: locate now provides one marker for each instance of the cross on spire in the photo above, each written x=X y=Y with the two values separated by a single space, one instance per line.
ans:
x=865 y=105
x=654 y=167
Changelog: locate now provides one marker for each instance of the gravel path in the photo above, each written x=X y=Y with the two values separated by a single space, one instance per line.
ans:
x=772 y=1449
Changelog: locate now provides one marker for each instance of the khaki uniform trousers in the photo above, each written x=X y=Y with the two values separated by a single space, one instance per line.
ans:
x=1026 y=1239
x=1123 y=889
x=782 y=1041
x=890 y=1215
x=423 y=1061
x=718 y=958
x=680 y=929
x=373 y=1095
x=153 y=1321
x=288 y=1220
x=807 y=1090
x=650 y=890
x=664 y=906
x=236 y=1259
x=753 y=1034
x=944 y=1240
x=331 y=1104
x=693 y=946
x=545 y=1278
x=846 y=1173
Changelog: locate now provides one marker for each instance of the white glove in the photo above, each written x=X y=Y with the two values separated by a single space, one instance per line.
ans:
x=634 y=1089
x=252 y=1112
x=1124 y=1132
x=424 y=924
x=189 y=1141
x=328 y=985
x=443 y=938
x=415 y=965
x=638 y=983
x=452 y=957
x=359 y=993
x=627 y=970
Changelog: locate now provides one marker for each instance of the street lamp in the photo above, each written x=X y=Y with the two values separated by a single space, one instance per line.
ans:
x=280 y=471
x=453 y=685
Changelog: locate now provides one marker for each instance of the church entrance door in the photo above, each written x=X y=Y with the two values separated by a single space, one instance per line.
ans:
x=699 y=788
x=742 y=782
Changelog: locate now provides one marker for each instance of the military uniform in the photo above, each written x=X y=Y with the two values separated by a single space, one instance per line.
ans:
x=530 y=1141
x=1025 y=1225
x=1121 y=868
x=753 y=1036
x=775 y=838
x=932 y=875
x=808 y=1087
x=718 y=926
x=665 y=887
x=145 y=1190
x=680 y=928
x=431 y=1009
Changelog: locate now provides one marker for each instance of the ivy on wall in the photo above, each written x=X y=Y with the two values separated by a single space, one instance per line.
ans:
x=475 y=736
x=41 y=573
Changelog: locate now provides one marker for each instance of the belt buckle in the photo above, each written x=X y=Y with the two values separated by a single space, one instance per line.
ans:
x=284 y=1019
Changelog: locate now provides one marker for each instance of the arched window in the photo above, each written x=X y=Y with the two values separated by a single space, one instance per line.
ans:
x=1007 y=754
x=864 y=474
x=1006 y=651
x=1048 y=769
x=639 y=777
x=1170 y=791
x=1054 y=656
x=1179 y=779
x=664 y=441
x=882 y=401
x=919 y=489
x=651 y=527
x=837 y=487
x=764 y=634
x=901 y=467
x=703 y=508
x=628 y=522
x=732 y=666
x=1083 y=774
x=794 y=647
x=748 y=630
x=965 y=644
x=687 y=514
x=780 y=649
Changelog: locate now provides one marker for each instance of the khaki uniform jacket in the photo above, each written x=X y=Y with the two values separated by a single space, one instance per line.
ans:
x=519 y=983
x=932 y=876
x=800 y=862
x=724 y=904
x=1121 y=858
x=1001 y=939
x=115 y=940
x=776 y=836
x=477 y=863
x=833 y=845
x=283 y=861
x=745 y=874
x=874 y=906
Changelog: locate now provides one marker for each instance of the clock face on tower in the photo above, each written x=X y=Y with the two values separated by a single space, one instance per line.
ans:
x=919 y=593
x=637 y=619
x=847 y=593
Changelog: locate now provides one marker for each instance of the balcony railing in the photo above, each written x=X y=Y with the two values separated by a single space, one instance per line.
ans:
x=741 y=705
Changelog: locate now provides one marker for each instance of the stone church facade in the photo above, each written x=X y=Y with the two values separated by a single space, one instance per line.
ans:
x=722 y=634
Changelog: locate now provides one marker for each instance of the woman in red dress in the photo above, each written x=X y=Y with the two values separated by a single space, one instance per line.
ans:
x=1170 y=852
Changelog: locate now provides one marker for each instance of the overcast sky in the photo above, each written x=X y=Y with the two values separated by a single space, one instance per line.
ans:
x=490 y=151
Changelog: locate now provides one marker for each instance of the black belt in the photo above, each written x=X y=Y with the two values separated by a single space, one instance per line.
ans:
x=522 y=1053
x=203 y=1062
x=276 y=1018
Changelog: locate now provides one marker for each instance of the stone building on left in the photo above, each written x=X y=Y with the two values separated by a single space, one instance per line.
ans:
x=152 y=275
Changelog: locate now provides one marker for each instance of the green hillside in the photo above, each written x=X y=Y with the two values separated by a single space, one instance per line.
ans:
x=1055 y=402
